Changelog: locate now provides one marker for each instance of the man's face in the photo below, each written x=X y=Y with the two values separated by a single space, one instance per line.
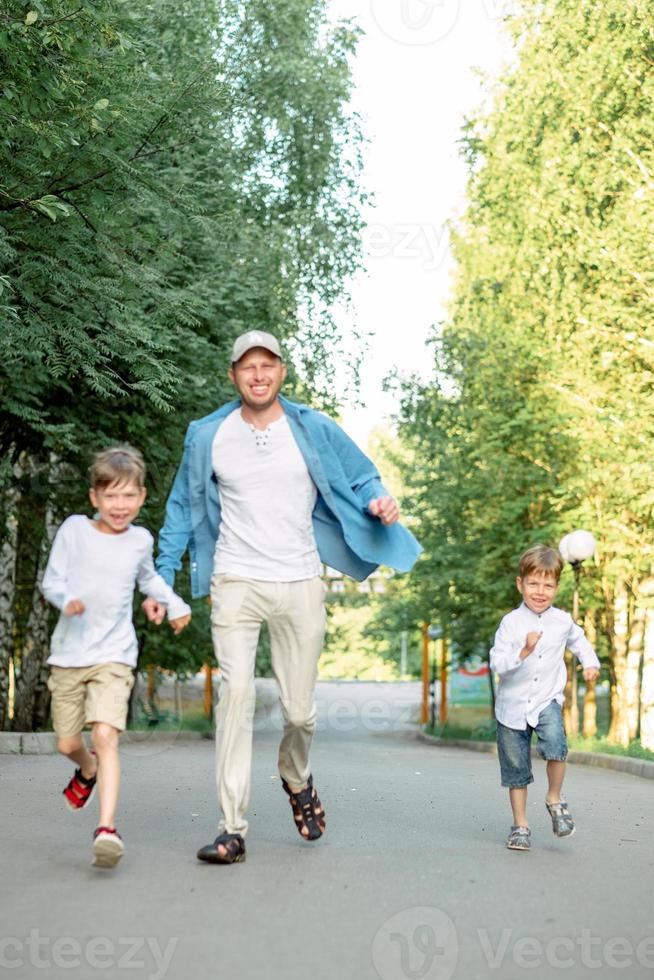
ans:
x=538 y=590
x=258 y=377
x=117 y=505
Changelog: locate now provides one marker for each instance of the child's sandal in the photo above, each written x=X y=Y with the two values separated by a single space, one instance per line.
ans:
x=79 y=790
x=562 y=823
x=519 y=839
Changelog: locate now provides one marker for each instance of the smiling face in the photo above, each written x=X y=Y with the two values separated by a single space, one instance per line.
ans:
x=117 y=505
x=538 y=590
x=258 y=377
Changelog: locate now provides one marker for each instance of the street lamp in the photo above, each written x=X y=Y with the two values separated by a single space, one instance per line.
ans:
x=575 y=548
x=436 y=633
x=428 y=633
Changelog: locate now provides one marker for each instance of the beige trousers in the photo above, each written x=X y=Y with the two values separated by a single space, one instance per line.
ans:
x=295 y=614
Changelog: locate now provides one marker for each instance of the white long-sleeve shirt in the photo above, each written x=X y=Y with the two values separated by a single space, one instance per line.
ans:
x=102 y=570
x=527 y=686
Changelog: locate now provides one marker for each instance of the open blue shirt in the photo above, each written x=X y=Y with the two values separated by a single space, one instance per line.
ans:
x=348 y=538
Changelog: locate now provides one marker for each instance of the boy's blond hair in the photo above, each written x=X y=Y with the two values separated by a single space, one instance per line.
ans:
x=117 y=465
x=541 y=560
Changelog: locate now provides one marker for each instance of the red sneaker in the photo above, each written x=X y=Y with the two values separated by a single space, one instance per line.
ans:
x=108 y=847
x=79 y=790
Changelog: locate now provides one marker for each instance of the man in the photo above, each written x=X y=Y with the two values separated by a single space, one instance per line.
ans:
x=267 y=490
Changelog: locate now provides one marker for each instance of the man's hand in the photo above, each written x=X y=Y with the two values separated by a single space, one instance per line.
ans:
x=154 y=610
x=179 y=624
x=74 y=608
x=386 y=509
x=530 y=643
x=591 y=673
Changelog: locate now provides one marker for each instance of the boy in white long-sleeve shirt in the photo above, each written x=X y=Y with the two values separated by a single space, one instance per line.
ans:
x=528 y=656
x=91 y=574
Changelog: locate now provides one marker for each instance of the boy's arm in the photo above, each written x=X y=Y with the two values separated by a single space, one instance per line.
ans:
x=505 y=654
x=54 y=585
x=176 y=530
x=154 y=586
x=577 y=644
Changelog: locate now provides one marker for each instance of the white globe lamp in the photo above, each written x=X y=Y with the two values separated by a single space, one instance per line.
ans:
x=577 y=547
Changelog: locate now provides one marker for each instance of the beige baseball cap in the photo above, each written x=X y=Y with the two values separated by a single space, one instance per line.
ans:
x=254 y=338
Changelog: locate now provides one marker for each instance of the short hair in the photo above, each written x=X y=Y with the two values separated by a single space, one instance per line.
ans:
x=117 y=464
x=541 y=559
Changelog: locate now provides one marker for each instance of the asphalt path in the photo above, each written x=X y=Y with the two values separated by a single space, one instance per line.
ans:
x=411 y=880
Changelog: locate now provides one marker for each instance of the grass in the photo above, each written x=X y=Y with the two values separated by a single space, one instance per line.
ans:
x=472 y=723
x=193 y=719
x=599 y=743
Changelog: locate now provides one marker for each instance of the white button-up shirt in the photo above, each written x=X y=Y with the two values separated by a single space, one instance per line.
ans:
x=527 y=686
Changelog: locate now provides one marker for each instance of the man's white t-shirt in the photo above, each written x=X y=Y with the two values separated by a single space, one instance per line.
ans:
x=101 y=570
x=267 y=498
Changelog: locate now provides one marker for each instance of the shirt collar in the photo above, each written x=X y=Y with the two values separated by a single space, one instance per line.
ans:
x=530 y=612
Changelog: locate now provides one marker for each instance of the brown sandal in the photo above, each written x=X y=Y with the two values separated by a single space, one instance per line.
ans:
x=308 y=811
x=234 y=850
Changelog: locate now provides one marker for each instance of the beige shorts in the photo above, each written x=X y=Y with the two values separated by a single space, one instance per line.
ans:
x=83 y=695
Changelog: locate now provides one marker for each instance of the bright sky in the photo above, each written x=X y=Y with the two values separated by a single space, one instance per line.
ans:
x=415 y=81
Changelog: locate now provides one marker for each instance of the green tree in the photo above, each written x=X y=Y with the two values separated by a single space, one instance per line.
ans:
x=170 y=175
x=539 y=416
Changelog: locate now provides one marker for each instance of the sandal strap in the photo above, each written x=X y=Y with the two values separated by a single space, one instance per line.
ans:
x=234 y=843
x=79 y=788
x=106 y=830
x=296 y=794
x=519 y=835
x=91 y=781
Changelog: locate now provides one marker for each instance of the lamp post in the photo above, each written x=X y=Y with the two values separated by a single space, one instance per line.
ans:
x=424 y=713
x=575 y=548
x=436 y=633
x=428 y=684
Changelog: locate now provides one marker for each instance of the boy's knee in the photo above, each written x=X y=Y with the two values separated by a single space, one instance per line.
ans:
x=71 y=743
x=104 y=736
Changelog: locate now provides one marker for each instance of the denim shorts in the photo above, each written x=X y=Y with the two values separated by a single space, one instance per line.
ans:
x=514 y=746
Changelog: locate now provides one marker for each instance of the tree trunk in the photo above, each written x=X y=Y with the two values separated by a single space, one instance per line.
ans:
x=208 y=690
x=647 y=686
x=632 y=671
x=589 y=724
x=31 y=692
x=8 y=553
x=570 y=708
x=619 y=728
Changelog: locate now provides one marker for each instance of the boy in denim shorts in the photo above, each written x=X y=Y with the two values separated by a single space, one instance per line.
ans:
x=92 y=570
x=528 y=656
